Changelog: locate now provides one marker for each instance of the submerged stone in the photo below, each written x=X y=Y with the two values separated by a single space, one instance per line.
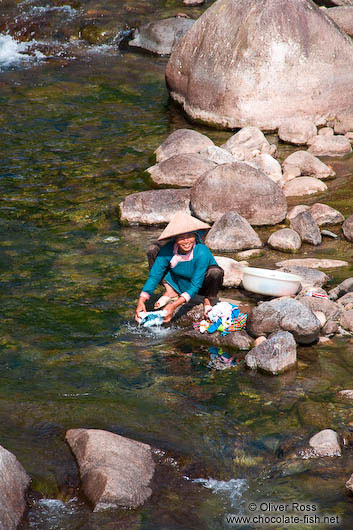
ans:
x=182 y=141
x=162 y=35
x=275 y=355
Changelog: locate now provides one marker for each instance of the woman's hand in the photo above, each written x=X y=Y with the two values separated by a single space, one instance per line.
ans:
x=140 y=307
x=169 y=309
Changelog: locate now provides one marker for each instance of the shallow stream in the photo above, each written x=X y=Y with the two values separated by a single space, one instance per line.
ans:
x=80 y=120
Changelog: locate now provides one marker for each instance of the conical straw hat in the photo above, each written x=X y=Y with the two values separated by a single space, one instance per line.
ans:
x=182 y=223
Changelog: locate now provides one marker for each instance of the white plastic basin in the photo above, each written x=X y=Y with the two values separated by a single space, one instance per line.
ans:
x=269 y=282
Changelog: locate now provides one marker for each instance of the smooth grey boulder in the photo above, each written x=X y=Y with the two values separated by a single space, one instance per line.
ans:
x=162 y=35
x=297 y=131
x=308 y=164
x=242 y=188
x=115 y=471
x=331 y=310
x=181 y=170
x=330 y=146
x=344 y=121
x=14 y=482
x=154 y=206
x=233 y=271
x=347 y=228
x=303 y=186
x=311 y=278
x=243 y=63
x=232 y=232
x=284 y=314
x=218 y=155
x=249 y=137
x=343 y=17
x=343 y=288
x=285 y=239
x=325 y=215
x=182 y=141
x=323 y=443
x=296 y=210
x=306 y=227
x=275 y=355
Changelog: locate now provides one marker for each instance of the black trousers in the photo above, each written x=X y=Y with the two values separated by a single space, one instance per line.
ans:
x=213 y=278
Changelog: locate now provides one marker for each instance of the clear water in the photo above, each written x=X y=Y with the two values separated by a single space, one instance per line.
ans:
x=79 y=124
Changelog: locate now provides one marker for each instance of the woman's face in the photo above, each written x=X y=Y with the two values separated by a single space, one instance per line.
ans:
x=185 y=242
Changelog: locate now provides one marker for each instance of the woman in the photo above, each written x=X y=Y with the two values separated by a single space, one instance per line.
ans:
x=185 y=266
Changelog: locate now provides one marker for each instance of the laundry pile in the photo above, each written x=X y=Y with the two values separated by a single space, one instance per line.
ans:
x=224 y=317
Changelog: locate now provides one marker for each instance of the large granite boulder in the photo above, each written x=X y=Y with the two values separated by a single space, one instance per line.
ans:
x=115 y=471
x=243 y=62
x=249 y=137
x=275 y=355
x=233 y=271
x=270 y=166
x=331 y=310
x=182 y=141
x=242 y=188
x=297 y=131
x=286 y=240
x=181 y=170
x=307 y=164
x=325 y=215
x=218 y=155
x=343 y=16
x=330 y=145
x=284 y=314
x=303 y=186
x=154 y=206
x=161 y=36
x=232 y=232
x=14 y=483
x=306 y=227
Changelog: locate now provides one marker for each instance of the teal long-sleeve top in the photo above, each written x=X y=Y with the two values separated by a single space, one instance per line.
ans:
x=186 y=277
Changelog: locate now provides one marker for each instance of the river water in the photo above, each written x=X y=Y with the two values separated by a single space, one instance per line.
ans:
x=80 y=118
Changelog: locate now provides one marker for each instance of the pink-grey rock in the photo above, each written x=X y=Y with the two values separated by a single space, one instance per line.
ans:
x=285 y=239
x=275 y=355
x=297 y=131
x=182 y=141
x=343 y=16
x=330 y=328
x=285 y=314
x=243 y=63
x=308 y=164
x=326 y=131
x=232 y=232
x=324 y=443
x=313 y=263
x=233 y=271
x=115 y=471
x=246 y=254
x=320 y=315
x=306 y=227
x=238 y=341
x=14 y=482
x=259 y=340
x=342 y=2
x=162 y=35
x=290 y=172
x=344 y=121
x=347 y=228
x=341 y=289
x=349 y=135
x=218 y=155
x=270 y=166
x=347 y=394
x=296 y=210
x=181 y=170
x=311 y=278
x=239 y=153
x=303 y=186
x=337 y=145
x=346 y=301
x=248 y=137
x=242 y=188
x=331 y=310
x=325 y=215
x=154 y=206
x=193 y=2
x=346 y=320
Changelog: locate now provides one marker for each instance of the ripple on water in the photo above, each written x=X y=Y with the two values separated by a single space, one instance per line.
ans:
x=13 y=53
x=232 y=489
x=51 y=514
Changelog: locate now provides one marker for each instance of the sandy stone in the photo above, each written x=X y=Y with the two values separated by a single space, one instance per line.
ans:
x=306 y=227
x=297 y=210
x=325 y=215
x=297 y=131
x=330 y=146
x=181 y=170
x=154 y=206
x=286 y=239
x=162 y=35
x=275 y=355
x=182 y=141
x=229 y=187
x=308 y=165
x=325 y=443
x=303 y=186
x=210 y=69
x=115 y=471
x=232 y=232
x=313 y=263
x=233 y=271
x=347 y=228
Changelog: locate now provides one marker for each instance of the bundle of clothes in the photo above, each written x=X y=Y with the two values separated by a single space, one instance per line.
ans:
x=224 y=317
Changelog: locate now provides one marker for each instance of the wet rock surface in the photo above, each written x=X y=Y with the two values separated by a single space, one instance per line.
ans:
x=162 y=35
x=324 y=443
x=115 y=471
x=232 y=232
x=275 y=355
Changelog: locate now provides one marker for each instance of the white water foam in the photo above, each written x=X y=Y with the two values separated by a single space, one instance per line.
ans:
x=14 y=53
x=233 y=489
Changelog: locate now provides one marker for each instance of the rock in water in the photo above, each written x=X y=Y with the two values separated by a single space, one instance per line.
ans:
x=243 y=62
x=240 y=187
x=162 y=35
x=275 y=355
x=115 y=471
x=232 y=232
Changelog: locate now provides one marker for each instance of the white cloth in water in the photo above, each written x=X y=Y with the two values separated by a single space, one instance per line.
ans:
x=151 y=318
